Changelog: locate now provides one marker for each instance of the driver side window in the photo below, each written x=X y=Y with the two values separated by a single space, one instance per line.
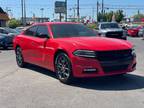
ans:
x=31 y=31
x=42 y=31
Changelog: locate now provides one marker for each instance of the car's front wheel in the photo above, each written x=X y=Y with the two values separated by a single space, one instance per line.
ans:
x=19 y=57
x=63 y=68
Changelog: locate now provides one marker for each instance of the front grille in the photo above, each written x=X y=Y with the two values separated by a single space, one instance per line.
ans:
x=117 y=34
x=115 y=60
x=115 y=68
x=113 y=55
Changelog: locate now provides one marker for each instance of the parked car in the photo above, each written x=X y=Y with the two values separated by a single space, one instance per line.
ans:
x=5 y=41
x=6 y=37
x=134 y=30
x=19 y=29
x=141 y=32
x=111 y=30
x=8 y=31
x=72 y=50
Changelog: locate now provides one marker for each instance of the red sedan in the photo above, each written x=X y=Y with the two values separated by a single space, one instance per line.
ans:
x=134 y=30
x=72 y=50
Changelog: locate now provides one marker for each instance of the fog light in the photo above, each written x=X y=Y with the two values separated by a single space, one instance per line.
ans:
x=90 y=70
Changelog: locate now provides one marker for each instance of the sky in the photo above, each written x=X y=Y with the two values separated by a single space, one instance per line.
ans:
x=87 y=7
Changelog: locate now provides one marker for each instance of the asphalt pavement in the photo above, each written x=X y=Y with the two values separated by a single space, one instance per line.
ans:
x=35 y=87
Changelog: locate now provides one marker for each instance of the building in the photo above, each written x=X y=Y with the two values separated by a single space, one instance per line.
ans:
x=31 y=20
x=3 y=18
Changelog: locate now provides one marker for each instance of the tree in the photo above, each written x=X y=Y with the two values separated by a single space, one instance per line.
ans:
x=13 y=23
x=107 y=16
x=119 y=15
x=138 y=16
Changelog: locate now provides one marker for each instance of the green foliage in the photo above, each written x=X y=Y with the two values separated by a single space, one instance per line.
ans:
x=107 y=17
x=13 y=23
x=92 y=26
x=138 y=16
x=119 y=15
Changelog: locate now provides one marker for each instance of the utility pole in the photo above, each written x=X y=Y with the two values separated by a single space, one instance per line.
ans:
x=97 y=10
x=24 y=13
x=66 y=10
x=78 y=13
x=22 y=18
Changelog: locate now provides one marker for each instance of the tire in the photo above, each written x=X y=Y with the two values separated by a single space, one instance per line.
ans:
x=5 y=47
x=63 y=68
x=120 y=75
x=19 y=57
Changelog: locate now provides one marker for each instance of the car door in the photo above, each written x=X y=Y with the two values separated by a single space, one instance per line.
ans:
x=38 y=45
x=26 y=43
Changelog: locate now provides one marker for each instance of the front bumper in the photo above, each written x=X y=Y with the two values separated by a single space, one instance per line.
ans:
x=79 y=64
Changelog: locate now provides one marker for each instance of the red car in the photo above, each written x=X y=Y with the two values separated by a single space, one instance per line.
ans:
x=133 y=31
x=73 y=51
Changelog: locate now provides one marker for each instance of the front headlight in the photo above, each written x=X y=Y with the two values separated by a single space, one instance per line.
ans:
x=85 y=53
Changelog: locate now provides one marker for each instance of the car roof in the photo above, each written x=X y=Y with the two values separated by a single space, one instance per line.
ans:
x=108 y=23
x=51 y=23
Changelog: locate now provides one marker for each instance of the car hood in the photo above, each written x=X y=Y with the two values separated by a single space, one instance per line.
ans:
x=111 y=30
x=97 y=43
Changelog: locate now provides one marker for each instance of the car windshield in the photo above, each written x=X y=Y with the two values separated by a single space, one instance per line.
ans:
x=109 y=25
x=71 y=30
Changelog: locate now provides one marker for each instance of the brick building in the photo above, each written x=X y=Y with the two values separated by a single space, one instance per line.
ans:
x=3 y=18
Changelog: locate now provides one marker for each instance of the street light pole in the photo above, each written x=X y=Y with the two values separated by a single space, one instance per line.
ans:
x=24 y=5
x=102 y=9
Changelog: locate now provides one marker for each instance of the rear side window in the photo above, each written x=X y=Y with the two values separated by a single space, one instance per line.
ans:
x=42 y=31
x=31 y=31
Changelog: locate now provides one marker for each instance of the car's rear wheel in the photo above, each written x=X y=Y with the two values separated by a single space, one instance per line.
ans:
x=63 y=68
x=19 y=57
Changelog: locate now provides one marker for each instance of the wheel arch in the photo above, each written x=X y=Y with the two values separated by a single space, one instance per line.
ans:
x=60 y=51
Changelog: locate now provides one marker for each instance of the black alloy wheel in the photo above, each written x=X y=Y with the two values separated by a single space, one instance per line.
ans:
x=19 y=57
x=63 y=68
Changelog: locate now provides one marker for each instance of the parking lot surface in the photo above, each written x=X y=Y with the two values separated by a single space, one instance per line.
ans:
x=35 y=87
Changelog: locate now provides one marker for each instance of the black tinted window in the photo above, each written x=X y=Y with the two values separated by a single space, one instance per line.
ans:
x=42 y=31
x=109 y=25
x=71 y=30
x=31 y=31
